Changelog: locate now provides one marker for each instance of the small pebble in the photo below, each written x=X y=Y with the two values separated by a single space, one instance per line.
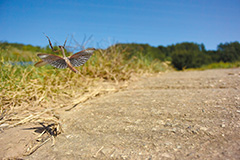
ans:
x=222 y=125
x=174 y=130
x=203 y=128
x=178 y=147
x=167 y=155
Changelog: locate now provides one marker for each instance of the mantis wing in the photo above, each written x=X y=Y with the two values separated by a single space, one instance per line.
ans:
x=40 y=63
x=53 y=60
x=81 y=57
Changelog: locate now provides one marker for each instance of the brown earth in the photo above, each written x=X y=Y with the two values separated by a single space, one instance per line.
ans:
x=176 y=115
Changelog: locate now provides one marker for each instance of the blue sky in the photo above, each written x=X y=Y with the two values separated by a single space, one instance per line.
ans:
x=156 y=22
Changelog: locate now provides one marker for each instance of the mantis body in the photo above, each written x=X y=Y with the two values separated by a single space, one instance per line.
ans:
x=75 y=60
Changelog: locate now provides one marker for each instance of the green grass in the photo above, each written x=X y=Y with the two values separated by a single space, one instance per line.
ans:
x=221 y=65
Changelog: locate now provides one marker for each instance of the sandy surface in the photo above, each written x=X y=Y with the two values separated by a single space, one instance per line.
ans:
x=176 y=115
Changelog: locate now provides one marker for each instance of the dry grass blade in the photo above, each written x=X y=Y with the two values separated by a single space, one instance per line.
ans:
x=34 y=146
x=83 y=98
x=30 y=118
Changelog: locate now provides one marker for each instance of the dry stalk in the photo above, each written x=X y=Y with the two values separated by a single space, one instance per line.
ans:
x=30 y=118
x=49 y=132
x=98 y=152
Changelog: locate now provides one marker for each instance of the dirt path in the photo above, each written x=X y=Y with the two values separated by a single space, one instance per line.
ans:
x=177 y=115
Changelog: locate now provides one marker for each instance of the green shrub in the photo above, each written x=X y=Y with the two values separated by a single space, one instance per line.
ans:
x=229 y=52
x=189 y=59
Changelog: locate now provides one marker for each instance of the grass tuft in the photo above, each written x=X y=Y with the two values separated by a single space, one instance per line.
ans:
x=26 y=90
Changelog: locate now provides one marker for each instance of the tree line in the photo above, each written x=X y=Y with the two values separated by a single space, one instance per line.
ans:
x=187 y=54
x=182 y=55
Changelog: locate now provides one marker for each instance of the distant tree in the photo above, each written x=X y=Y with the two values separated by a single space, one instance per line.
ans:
x=213 y=55
x=145 y=50
x=164 y=53
x=202 y=47
x=229 y=52
x=189 y=55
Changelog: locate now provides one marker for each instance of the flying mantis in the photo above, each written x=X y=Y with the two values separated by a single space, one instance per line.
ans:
x=75 y=60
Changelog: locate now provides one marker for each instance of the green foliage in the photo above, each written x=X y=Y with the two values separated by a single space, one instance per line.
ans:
x=144 y=49
x=189 y=55
x=188 y=59
x=214 y=56
x=186 y=54
x=229 y=52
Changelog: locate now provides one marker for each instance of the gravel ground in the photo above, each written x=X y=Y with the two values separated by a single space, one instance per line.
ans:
x=175 y=115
